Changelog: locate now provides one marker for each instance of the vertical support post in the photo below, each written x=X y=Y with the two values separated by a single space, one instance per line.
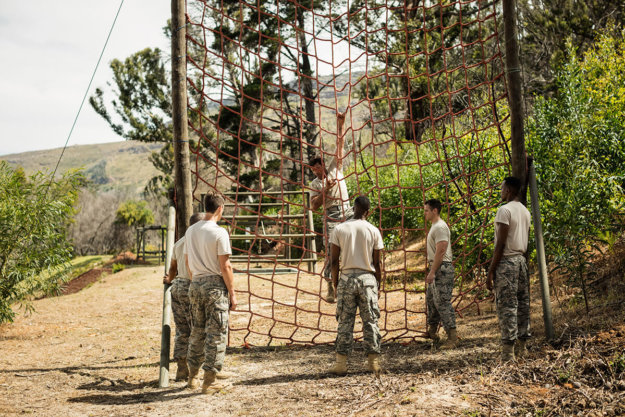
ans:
x=540 y=253
x=182 y=170
x=312 y=266
x=163 y=377
x=515 y=96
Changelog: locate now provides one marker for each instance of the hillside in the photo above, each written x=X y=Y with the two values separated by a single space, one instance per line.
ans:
x=117 y=165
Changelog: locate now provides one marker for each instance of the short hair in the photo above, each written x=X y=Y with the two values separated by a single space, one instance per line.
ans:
x=362 y=203
x=212 y=202
x=315 y=160
x=514 y=184
x=435 y=204
x=196 y=217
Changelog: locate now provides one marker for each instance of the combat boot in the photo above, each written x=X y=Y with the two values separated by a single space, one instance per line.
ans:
x=507 y=352
x=225 y=375
x=340 y=367
x=210 y=385
x=432 y=332
x=452 y=339
x=331 y=295
x=193 y=382
x=520 y=348
x=182 y=373
x=373 y=364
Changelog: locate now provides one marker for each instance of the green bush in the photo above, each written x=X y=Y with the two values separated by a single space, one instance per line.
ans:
x=35 y=252
x=578 y=140
x=117 y=267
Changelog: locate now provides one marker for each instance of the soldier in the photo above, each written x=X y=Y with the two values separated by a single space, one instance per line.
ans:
x=207 y=253
x=180 y=302
x=330 y=191
x=508 y=270
x=358 y=244
x=440 y=278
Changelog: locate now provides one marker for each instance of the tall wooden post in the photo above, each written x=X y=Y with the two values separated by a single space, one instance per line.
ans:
x=182 y=170
x=515 y=95
x=163 y=376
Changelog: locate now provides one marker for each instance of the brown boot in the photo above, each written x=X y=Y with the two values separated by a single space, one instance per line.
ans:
x=331 y=294
x=432 y=332
x=182 y=373
x=340 y=367
x=452 y=340
x=373 y=364
x=225 y=375
x=210 y=385
x=520 y=348
x=507 y=353
x=193 y=382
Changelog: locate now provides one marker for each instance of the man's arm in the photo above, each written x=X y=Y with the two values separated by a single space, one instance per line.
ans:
x=377 y=266
x=340 y=140
x=173 y=270
x=228 y=275
x=335 y=251
x=502 y=235
x=186 y=262
x=316 y=201
x=441 y=248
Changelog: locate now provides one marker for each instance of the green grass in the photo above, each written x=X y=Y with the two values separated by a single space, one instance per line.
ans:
x=82 y=264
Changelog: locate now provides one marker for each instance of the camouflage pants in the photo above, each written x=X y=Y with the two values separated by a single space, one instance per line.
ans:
x=209 y=311
x=357 y=290
x=513 y=298
x=438 y=298
x=333 y=216
x=181 y=308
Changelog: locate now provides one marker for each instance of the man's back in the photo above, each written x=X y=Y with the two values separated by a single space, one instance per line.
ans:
x=518 y=218
x=357 y=239
x=204 y=241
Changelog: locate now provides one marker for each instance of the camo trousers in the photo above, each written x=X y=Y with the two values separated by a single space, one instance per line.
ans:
x=513 y=298
x=181 y=308
x=209 y=311
x=333 y=215
x=438 y=298
x=357 y=290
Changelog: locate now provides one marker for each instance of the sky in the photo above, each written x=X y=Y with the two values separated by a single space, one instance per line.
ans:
x=49 y=50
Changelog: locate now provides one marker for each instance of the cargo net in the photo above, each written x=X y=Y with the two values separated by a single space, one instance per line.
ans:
x=424 y=89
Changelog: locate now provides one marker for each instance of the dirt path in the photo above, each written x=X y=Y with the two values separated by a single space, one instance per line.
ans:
x=96 y=352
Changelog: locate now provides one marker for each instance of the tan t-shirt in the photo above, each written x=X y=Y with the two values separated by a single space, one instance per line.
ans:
x=357 y=239
x=204 y=242
x=439 y=232
x=338 y=195
x=178 y=256
x=518 y=218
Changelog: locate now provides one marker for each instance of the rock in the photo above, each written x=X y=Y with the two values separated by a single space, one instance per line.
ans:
x=577 y=384
x=547 y=386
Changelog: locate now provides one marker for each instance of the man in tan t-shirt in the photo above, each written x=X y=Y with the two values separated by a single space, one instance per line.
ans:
x=508 y=271
x=440 y=278
x=330 y=193
x=356 y=246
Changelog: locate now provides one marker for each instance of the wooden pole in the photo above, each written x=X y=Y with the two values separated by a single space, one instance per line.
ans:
x=515 y=96
x=540 y=253
x=182 y=170
x=163 y=377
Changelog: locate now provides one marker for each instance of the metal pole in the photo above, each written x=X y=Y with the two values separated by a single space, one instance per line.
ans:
x=515 y=96
x=163 y=377
x=540 y=252
x=182 y=171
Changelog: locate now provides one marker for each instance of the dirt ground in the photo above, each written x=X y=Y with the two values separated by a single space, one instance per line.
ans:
x=96 y=353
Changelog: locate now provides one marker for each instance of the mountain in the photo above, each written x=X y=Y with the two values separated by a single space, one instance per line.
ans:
x=116 y=165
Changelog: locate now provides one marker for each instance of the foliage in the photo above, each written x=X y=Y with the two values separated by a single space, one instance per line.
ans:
x=134 y=214
x=117 y=267
x=578 y=140
x=35 y=212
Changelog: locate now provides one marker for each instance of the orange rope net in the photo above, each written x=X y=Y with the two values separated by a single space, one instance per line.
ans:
x=425 y=88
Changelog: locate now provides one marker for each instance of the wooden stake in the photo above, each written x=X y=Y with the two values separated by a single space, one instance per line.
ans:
x=182 y=172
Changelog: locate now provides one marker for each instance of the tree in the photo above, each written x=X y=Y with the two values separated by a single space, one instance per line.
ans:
x=134 y=214
x=578 y=140
x=35 y=213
